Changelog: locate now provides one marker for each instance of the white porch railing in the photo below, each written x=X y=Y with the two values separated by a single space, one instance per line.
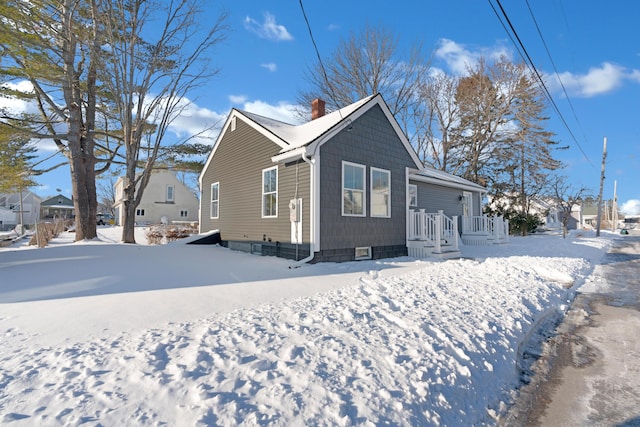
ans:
x=435 y=228
x=495 y=228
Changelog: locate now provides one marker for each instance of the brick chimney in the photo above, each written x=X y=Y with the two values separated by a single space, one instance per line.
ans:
x=317 y=108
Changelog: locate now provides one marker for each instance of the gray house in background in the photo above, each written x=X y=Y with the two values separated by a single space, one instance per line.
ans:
x=344 y=186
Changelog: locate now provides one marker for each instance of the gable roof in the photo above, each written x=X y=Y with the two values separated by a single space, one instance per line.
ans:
x=295 y=140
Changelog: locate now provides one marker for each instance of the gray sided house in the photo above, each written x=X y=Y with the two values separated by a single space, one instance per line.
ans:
x=344 y=186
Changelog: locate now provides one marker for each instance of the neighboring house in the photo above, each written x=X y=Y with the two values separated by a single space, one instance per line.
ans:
x=344 y=186
x=555 y=215
x=57 y=207
x=30 y=206
x=8 y=218
x=165 y=200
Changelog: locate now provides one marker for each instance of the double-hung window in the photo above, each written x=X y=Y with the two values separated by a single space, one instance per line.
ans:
x=353 y=190
x=380 y=193
x=170 y=195
x=215 y=200
x=270 y=192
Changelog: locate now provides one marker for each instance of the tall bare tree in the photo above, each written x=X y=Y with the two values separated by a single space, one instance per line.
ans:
x=365 y=64
x=160 y=58
x=485 y=98
x=436 y=144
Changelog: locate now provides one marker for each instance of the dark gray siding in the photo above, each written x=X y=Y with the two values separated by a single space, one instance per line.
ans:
x=371 y=142
x=237 y=164
x=433 y=198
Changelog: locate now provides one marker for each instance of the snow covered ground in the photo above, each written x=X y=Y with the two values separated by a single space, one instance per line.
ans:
x=101 y=333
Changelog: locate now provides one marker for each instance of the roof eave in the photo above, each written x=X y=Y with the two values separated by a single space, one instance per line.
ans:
x=451 y=184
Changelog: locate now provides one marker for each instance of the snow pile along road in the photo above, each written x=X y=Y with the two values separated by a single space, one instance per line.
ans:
x=412 y=343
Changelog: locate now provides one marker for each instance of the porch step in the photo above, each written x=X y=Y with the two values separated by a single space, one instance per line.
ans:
x=476 y=239
x=422 y=250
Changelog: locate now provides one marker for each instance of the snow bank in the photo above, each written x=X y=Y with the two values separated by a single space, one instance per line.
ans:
x=399 y=342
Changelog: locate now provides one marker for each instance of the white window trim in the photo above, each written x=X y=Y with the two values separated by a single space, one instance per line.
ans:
x=217 y=201
x=364 y=189
x=173 y=193
x=388 y=172
x=409 y=194
x=273 y=192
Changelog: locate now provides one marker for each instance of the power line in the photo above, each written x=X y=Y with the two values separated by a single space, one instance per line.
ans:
x=315 y=47
x=555 y=69
x=525 y=56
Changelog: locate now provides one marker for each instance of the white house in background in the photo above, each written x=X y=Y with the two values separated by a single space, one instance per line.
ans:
x=30 y=206
x=165 y=200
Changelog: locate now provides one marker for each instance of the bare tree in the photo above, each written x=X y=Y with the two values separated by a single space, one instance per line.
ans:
x=151 y=73
x=484 y=99
x=107 y=192
x=365 y=64
x=566 y=197
x=435 y=143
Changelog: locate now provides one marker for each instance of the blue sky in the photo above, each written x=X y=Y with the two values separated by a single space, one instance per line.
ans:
x=593 y=44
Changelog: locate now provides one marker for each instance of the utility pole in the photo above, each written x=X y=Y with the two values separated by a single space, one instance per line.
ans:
x=604 y=158
x=614 y=208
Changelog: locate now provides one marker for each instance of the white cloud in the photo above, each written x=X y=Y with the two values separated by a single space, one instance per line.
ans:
x=268 y=29
x=237 y=99
x=631 y=207
x=270 y=66
x=597 y=81
x=195 y=120
x=458 y=58
x=283 y=111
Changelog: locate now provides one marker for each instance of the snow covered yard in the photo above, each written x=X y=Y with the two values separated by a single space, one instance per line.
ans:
x=101 y=333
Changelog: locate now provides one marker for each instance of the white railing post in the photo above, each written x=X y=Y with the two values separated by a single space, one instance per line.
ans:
x=456 y=236
x=438 y=231
x=423 y=225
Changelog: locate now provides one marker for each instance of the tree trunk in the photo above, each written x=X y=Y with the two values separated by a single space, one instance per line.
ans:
x=83 y=182
x=129 y=206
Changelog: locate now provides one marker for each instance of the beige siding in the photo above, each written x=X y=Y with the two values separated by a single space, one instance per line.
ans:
x=237 y=165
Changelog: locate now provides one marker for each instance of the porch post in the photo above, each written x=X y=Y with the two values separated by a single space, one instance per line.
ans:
x=456 y=236
x=438 y=242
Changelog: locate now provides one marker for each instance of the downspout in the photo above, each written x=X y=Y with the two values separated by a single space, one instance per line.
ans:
x=312 y=253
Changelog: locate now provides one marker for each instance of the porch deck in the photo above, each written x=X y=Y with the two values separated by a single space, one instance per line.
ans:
x=435 y=235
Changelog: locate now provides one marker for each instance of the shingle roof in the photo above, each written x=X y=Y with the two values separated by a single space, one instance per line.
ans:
x=300 y=135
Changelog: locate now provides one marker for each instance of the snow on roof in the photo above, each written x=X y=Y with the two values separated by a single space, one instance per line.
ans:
x=444 y=177
x=300 y=135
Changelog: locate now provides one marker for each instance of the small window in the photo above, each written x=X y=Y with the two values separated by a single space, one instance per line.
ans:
x=413 y=195
x=363 y=253
x=139 y=212
x=353 y=196
x=270 y=192
x=183 y=214
x=233 y=124
x=380 y=193
x=215 y=200
x=170 y=190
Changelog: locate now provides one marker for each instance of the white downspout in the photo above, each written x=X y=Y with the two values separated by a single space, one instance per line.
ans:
x=312 y=222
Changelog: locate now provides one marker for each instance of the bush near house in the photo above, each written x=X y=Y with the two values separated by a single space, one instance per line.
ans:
x=162 y=234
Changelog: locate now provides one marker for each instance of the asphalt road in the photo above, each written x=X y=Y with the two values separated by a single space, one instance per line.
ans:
x=589 y=374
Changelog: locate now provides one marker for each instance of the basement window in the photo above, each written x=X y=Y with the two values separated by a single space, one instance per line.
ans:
x=363 y=253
